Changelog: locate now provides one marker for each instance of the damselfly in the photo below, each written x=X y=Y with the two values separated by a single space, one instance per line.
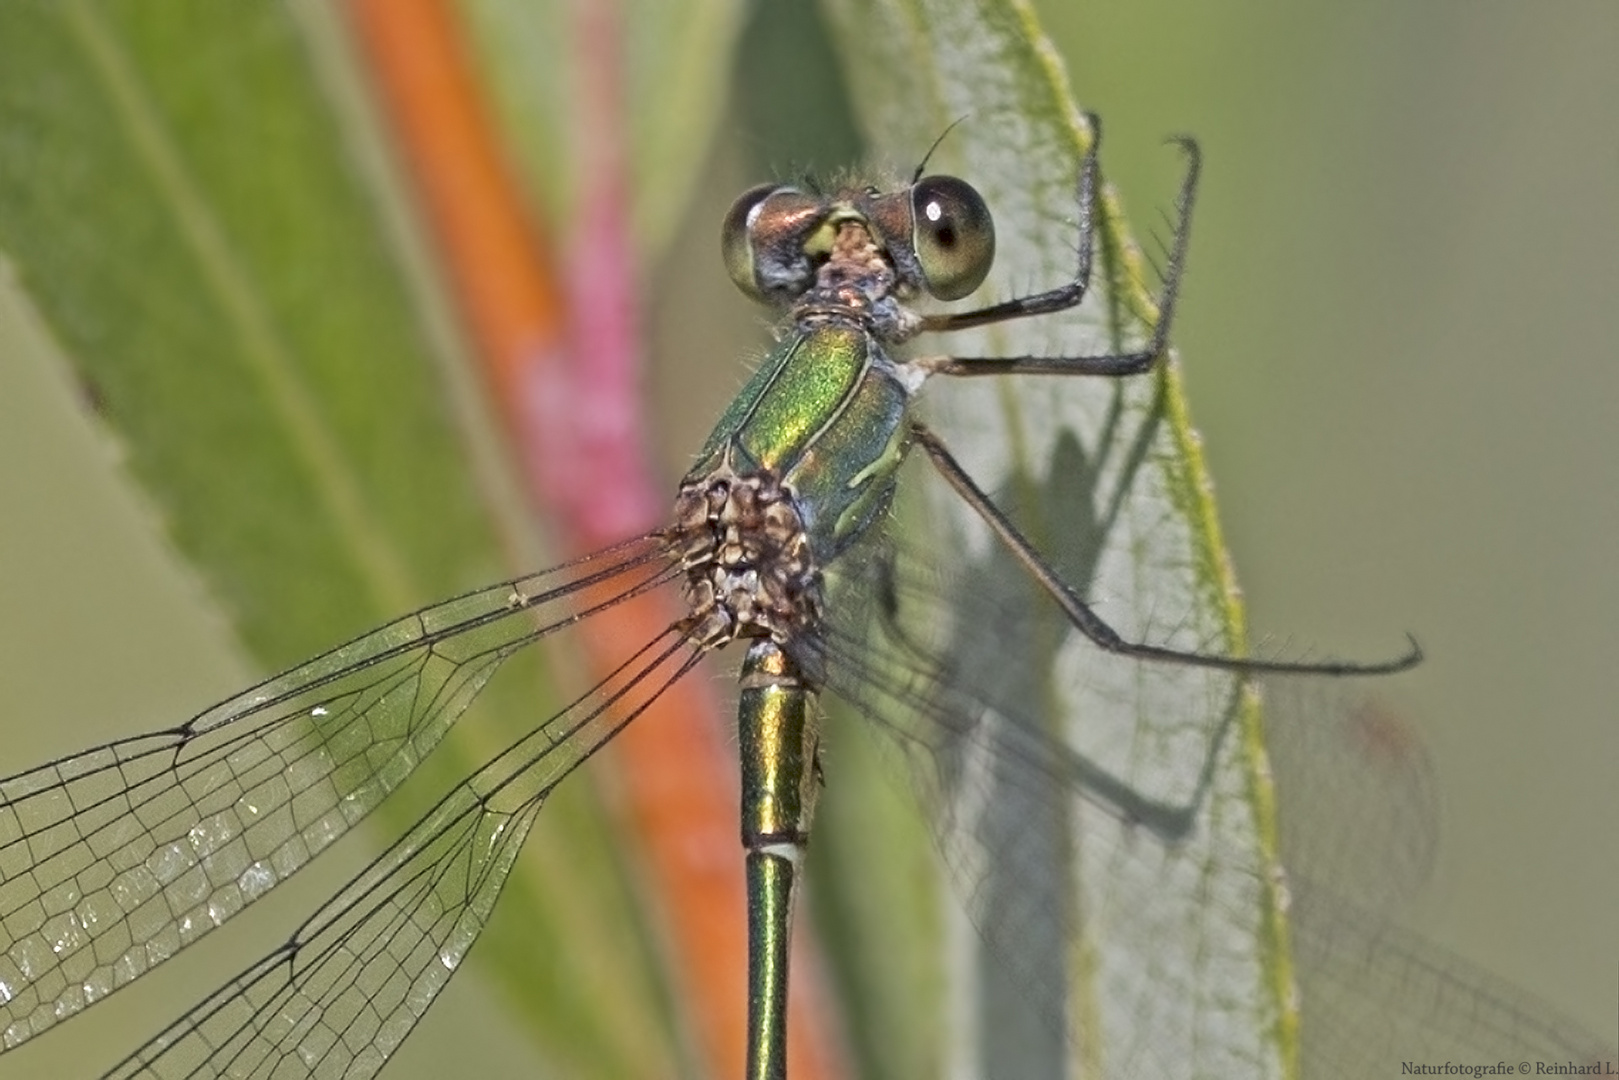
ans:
x=115 y=858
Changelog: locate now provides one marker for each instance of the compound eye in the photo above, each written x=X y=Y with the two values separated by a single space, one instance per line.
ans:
x=952 y=234
x=766 y=239
x=736 y=239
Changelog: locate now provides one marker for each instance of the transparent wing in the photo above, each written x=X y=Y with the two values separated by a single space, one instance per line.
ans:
x=1376 y=995
x=113 y=860
x=1358 y=815
x=1111 y=877
x=343 y=992
x=1172 y=886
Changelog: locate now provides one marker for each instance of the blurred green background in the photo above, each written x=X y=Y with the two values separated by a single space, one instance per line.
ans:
x=1395 y=337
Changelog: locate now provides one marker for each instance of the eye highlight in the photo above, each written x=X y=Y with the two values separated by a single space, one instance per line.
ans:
x=952 y=234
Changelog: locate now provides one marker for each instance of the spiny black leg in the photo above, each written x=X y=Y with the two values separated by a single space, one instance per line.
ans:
x=1116 y=364
x=1092 y=625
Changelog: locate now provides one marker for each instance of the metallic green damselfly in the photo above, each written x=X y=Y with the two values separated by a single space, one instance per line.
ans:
x=780 y=537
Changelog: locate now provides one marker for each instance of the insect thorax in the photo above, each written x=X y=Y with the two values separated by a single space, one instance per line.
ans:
x=749 y=568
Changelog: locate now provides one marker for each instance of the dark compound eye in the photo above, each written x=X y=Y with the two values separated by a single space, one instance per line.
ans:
x=952 y=234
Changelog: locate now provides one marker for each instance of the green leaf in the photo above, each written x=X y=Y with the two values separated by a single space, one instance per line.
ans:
x=193 y=202
x=1140 y=957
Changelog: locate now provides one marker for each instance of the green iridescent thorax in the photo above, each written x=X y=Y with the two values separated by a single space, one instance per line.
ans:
x=825 y=413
